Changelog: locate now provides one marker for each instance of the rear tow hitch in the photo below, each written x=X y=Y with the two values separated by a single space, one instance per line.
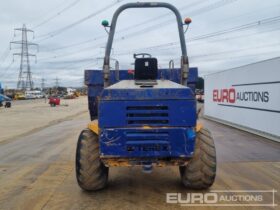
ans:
x=147 y=169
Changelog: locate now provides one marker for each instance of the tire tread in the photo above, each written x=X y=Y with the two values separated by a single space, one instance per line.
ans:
x=200 y=172
x=91 y=173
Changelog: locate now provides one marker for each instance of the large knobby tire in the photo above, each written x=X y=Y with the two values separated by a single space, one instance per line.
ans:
x=200 y=172
x=91 y=173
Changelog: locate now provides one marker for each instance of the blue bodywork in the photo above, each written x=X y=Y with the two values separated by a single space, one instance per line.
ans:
x=144 y=125
x=3 y=98
x=1 y=89
x=94 y=81
x=155 y=123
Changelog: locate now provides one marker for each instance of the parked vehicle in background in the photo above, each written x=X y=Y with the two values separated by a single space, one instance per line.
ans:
x=5 y=101
x=19 y=96
x=29 y=96
x=54 y=101
x=72 y=93
x=199 y=95
x=33 y=94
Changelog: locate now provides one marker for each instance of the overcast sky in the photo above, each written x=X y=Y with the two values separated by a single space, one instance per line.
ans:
x=223 y=34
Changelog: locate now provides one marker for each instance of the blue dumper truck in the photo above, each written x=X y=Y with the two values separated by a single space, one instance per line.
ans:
x=146 y=117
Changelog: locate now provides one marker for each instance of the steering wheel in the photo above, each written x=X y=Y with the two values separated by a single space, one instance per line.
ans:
x=147 y=55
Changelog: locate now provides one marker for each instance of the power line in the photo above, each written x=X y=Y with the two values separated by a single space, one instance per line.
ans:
x=197 y=37
x=236 y=51
x=73 y=64
x=124 y=29
x=195 y=12
x=57 y=14
x=58 y=31
x=218 y=33
x=239 y=28
x=243 y=56
x=67 y=54
x=163 y=23
x=226 y=52
x=51 y=9
x=237 y=37
x=255 y=13
x=190 y=40
x=192 y=56
x=72 y=45
x=230 y=30
x=188 y=6
x=199 y=11
x=213 y=6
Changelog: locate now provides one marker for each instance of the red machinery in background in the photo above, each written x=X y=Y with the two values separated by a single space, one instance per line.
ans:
x=54 y=101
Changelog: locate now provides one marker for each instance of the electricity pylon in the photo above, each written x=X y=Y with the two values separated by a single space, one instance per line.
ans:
x=25 y=81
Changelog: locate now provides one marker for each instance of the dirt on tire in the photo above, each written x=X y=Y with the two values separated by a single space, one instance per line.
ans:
x=200 y=172
x=91 y=173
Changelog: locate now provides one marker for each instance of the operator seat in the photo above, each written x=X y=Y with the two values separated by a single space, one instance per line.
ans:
x=146 y=71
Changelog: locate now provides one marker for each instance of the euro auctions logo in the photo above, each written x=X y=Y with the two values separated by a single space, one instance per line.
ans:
x=231 y=95
x=224 y=95
x=224 y=198
x=262 y=96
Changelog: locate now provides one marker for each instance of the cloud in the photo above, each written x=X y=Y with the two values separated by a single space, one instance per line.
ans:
x=136 y=29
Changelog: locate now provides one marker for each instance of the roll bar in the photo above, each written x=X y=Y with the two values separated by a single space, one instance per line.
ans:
x=184 y=59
